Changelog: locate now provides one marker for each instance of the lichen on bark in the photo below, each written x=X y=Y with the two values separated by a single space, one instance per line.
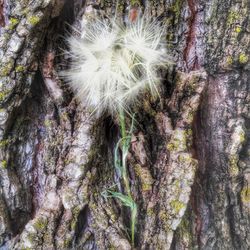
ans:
x=189 y=159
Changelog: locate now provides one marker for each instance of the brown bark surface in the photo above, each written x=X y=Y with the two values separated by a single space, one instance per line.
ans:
x=189 y=163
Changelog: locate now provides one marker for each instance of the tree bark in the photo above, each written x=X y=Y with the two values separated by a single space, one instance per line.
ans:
x=189 y=162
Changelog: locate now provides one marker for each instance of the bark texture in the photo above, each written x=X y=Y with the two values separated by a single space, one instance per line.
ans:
x=189 y=163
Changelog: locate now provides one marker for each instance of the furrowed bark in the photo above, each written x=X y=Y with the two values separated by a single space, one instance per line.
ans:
x=189 y=159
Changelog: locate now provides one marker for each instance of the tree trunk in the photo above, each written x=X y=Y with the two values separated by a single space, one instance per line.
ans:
x=189 y=162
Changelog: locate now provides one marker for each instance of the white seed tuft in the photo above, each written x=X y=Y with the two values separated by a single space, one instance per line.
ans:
x=113 y=63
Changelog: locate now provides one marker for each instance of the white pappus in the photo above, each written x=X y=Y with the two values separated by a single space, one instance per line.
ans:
x=112 y=63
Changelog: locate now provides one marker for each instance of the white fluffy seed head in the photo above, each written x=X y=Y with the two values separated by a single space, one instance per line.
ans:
x=113 y=63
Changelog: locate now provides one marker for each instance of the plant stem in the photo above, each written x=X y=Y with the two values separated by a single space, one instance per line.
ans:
x=122 y=123
x=133 y=209
x=124 y=149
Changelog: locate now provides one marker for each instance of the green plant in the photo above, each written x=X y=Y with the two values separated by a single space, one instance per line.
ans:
x=112 y=64
x=128 y=201
x=120 y=163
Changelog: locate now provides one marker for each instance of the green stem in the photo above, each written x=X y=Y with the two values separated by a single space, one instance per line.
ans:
x=122 y=123
x=124 y=149
x=133 y=210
